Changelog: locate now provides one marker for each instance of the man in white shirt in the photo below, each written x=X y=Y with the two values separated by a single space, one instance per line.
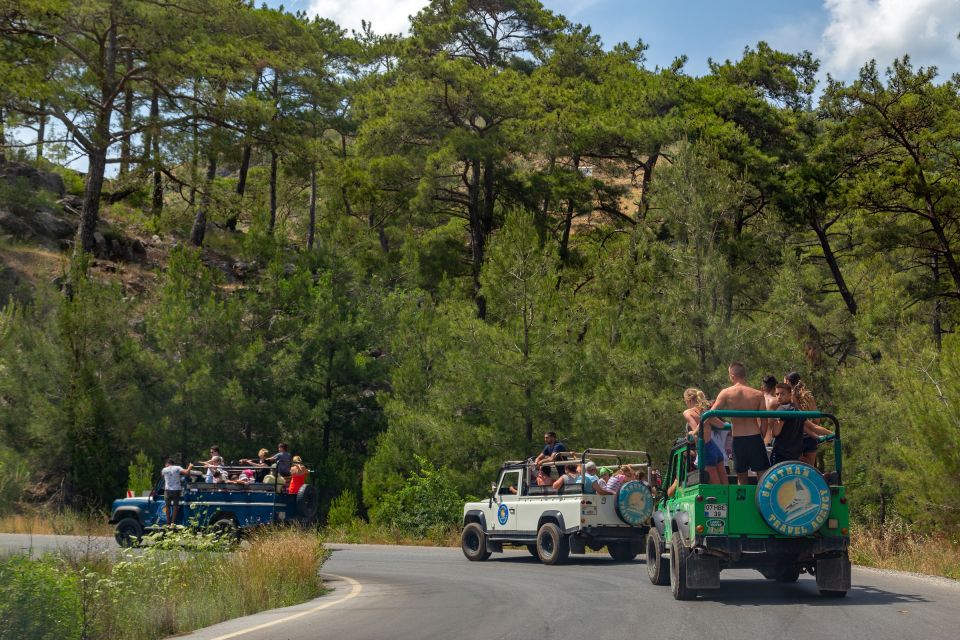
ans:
x=173 y=487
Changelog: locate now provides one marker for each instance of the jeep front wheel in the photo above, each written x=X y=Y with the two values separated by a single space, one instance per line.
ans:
x=129 y=532
x=552 y=546
x=621 y=551
x=658 y=566
x=473 y=542
x=678 y=570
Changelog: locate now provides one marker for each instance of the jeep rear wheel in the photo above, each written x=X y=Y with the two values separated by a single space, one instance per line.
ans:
x=129 y=532
x=678 y=570
x=552 y=546
x=658 y=567
x=786 y=574
x=473 y=542
x=226 y=529
x=621 y=551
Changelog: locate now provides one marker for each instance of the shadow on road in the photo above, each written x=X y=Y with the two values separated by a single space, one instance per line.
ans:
x=764 y=592
x=585 y=560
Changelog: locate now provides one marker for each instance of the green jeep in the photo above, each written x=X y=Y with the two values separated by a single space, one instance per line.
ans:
x=793 y=519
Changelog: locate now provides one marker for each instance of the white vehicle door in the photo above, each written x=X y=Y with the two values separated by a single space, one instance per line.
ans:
x=508 y=501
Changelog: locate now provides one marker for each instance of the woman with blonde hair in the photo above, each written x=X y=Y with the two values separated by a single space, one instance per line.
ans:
x=714 y=441
x=298 y=475
x=804 y=401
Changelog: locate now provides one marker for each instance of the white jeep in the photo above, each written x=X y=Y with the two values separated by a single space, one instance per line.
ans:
x=552 y=523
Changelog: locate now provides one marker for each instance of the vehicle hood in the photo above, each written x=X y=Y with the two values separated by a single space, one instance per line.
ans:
x=130 y=502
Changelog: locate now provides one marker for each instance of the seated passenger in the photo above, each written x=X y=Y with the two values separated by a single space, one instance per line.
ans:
x=570 y=476
x=604 y=473
x=220 y=476
x=261 y=463
x=245 y=477
x=591 y=483
x=623 y=475
x=213 y=464
x=298 y=475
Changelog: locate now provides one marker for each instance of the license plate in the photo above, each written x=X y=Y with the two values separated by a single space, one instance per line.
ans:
x=716 y=510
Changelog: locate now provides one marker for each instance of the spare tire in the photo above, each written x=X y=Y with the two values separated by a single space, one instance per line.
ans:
x=634 y=504
x=793 y=499
x=307 y=502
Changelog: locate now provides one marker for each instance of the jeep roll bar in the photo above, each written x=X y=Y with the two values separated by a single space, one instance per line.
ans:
x=740 y=413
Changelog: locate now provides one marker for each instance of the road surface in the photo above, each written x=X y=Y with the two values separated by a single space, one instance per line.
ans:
x=399 y=593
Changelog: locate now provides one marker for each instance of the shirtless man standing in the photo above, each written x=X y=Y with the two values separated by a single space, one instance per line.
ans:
x=749 y=451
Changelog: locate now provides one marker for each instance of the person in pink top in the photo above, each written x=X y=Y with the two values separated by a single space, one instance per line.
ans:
x=298 y=475
x=623 y=475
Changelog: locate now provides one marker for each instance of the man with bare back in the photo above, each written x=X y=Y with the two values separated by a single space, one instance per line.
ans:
x=749 y=451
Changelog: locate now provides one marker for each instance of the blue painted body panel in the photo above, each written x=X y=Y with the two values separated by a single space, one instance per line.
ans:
x=203 y=503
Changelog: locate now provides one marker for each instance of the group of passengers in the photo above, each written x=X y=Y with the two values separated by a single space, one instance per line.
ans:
x=602 y=481
x=746 y=440
x=279 y=469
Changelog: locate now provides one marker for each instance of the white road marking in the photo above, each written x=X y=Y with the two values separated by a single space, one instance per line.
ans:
x=355 y=589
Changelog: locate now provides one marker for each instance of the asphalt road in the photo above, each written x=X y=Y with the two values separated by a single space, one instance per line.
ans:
x=398 y=593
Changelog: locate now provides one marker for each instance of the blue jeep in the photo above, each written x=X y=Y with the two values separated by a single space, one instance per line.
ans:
x=228 y=508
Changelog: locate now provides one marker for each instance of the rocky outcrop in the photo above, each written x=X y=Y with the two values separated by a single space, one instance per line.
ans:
x=34 y=207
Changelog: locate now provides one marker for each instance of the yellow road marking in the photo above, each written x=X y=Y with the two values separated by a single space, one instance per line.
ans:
x=355 y=589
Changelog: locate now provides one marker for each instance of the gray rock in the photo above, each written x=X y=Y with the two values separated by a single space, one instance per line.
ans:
x=47 y=225
x=14 y=225
x=36 y=178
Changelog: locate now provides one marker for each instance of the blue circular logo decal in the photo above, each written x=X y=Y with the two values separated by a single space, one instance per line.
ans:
x=793 y=499
x=634 y=503
x=502 y=514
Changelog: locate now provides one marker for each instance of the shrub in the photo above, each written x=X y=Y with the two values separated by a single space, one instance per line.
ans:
x=38 y=600
x=424 y=506
x=343 y=509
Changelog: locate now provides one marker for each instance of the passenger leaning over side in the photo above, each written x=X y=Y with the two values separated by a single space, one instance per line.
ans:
x=804 y=401
x=789 y=433
x=749 y=452
x=715 y=441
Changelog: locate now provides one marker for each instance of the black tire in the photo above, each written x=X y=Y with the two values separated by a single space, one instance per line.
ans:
x=473 y=542
x=827 y=593
x=129 y=532
x=552 y=546
x=621 y=551
x=532 y=548
x=658 y=567
x=226 y=529
x=678 y=570
x=307 y=503
x=787 y=574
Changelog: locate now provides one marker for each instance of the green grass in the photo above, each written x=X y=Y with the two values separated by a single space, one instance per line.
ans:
x=155 y=593
x=362 y=532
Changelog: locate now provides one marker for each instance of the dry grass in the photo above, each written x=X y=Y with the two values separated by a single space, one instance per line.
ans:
x=65 y=523
x=154 y=593
x=900 y=549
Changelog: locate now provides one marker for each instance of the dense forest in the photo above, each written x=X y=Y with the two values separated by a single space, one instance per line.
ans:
x=446 y=243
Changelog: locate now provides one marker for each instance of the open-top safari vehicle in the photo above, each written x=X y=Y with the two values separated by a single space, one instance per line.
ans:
x=793 y=519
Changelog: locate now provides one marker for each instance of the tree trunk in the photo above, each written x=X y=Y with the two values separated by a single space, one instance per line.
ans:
x=273 y=190
x=155 y=160
x=126 y=118
x=328 y=393
x=935 y=323
x=3 y=135
x=41 y=130
x=100 y=143
x=564 y=252
x=199 y=229
x=195 y=151
x=831 y=259
x=311 y=226
x=244 y=167
x=477 y=237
